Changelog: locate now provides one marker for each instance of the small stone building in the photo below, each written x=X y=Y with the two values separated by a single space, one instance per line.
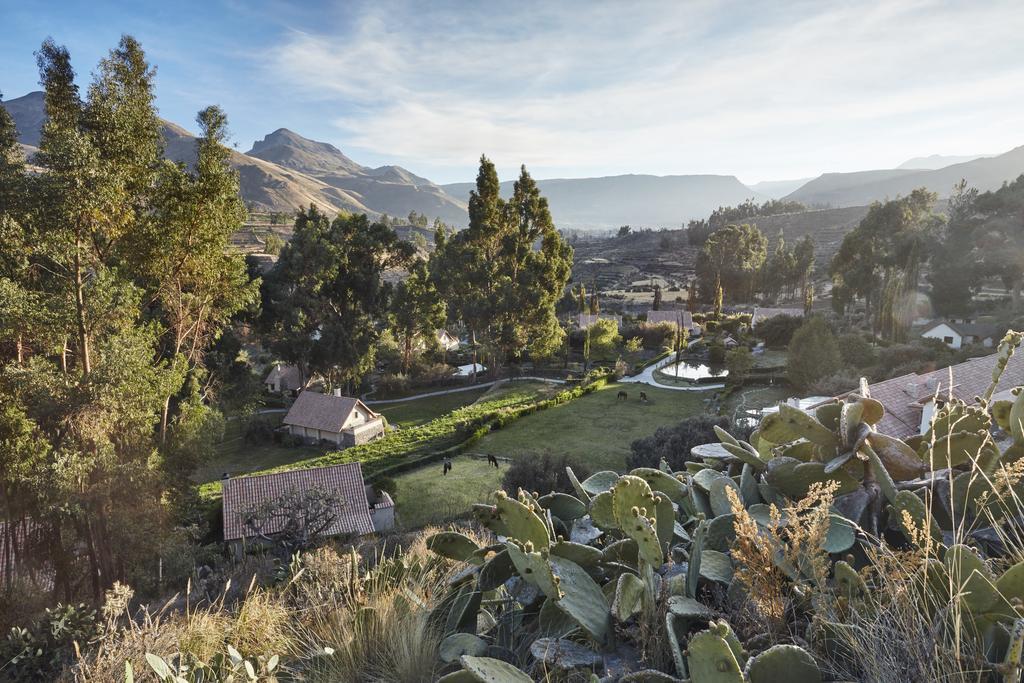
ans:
x=343 y=420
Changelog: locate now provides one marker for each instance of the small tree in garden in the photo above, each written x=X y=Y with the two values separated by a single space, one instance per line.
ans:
x=739 y=362
x=544 y=473
x=813 y=354
x=295 y=519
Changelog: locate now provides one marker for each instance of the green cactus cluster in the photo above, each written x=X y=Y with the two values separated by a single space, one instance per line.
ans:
x=587 y=575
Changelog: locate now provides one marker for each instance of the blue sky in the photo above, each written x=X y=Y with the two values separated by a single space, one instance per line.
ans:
x=761 y=90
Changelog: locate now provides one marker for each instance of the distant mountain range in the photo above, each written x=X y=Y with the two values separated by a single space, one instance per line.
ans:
x=285 y=171
x=638 y=200
x=864 y=187
x=936 y=161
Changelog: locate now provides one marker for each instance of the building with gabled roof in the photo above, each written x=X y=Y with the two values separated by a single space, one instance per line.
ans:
x=762 y=313
x=680 y=318
x=344 y=420
x=585 y=320
x=356 y=514
x=910 y=400
x=956 y=334
x=283 y=378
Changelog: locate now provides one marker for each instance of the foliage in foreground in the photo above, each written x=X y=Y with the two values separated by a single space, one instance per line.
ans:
x=818 y=550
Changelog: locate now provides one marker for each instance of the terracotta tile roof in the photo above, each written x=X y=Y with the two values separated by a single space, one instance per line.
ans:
x=323 y=411
x=241 y=493
x=904 y=396
x=680 y=318
x=761 y=313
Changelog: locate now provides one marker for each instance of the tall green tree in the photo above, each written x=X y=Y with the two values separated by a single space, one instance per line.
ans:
x=503 y=275
x=325 y=303
x=733 y=256
x=880 y=261
x=417 y=312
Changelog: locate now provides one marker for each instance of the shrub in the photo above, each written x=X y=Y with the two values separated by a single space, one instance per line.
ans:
x=813 y=354
x=856 y=351
x=739 y=361
x=546 y=473
x=778 y=331
x=673 y=444
x=259 y=431
x=716 y=352
x=835 y=385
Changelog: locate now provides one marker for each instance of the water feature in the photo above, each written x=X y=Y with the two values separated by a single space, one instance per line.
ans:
x=694 y=371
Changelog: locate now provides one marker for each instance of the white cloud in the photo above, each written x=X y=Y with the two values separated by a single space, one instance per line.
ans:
x=760 y=90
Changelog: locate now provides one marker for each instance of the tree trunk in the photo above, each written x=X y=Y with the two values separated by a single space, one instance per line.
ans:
x=83 y=334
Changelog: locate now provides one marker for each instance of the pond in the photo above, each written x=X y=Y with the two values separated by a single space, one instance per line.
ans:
x=694 y=371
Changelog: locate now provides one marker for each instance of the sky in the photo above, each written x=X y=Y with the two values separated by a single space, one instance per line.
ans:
x=761 y=90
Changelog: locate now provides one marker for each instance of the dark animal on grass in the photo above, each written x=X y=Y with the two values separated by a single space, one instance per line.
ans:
x=491 y=460
x=623 y=396
x=447 y=466
x=643 y=397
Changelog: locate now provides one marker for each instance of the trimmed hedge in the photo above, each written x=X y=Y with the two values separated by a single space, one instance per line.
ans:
x=444 y=436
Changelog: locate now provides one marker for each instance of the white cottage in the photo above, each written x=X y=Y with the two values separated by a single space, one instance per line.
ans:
x=956 y=334
x=324 y=417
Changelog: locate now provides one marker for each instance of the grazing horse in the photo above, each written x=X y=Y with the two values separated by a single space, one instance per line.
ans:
x=643 y=397
x=623 y=396
x=491 y=460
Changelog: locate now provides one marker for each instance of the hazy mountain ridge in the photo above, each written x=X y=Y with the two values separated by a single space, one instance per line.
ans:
x=864 y=187
x=934 y=162
x=639 y=200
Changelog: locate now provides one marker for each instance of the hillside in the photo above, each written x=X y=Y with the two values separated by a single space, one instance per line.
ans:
x=286 y=171
x=937 y=161
x=615 y=262
x=638 y=200
x=389 y=189
x=864 y=187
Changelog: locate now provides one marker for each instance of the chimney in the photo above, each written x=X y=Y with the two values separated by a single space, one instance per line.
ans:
x=337 y=392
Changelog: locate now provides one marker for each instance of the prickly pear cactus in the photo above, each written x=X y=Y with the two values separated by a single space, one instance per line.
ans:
x=788 y=663
x=634 y=506
x=710 y=658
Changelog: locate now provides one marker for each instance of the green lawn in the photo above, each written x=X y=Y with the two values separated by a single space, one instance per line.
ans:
x=597 y=428
x=235 y=456
x=423 y=496
x=422 y=410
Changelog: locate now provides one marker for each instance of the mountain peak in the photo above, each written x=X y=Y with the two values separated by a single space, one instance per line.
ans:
x=287 y=148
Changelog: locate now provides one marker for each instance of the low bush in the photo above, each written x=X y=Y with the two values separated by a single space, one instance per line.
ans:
x=544 y=473
x=673 y=444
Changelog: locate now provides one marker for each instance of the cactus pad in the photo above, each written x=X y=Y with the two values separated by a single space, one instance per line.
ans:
x=900 y=460
x=454 y=546
x=458 y=644
x=487 y=670
x=634 y=506
x=629 y=593
x=562 y=505
x=599 y=482
x=582 y=598
x=783 y=663
x=601 y=511
x=534 y=568
x=663 y=483
x=710 y=659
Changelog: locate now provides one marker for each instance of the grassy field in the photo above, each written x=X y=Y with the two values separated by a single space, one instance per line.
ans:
x=235 y=456
x=423 y=496
x=597 y=428
x=420 y=411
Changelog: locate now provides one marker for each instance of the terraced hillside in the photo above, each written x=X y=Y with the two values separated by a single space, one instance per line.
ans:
x=615 y=262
